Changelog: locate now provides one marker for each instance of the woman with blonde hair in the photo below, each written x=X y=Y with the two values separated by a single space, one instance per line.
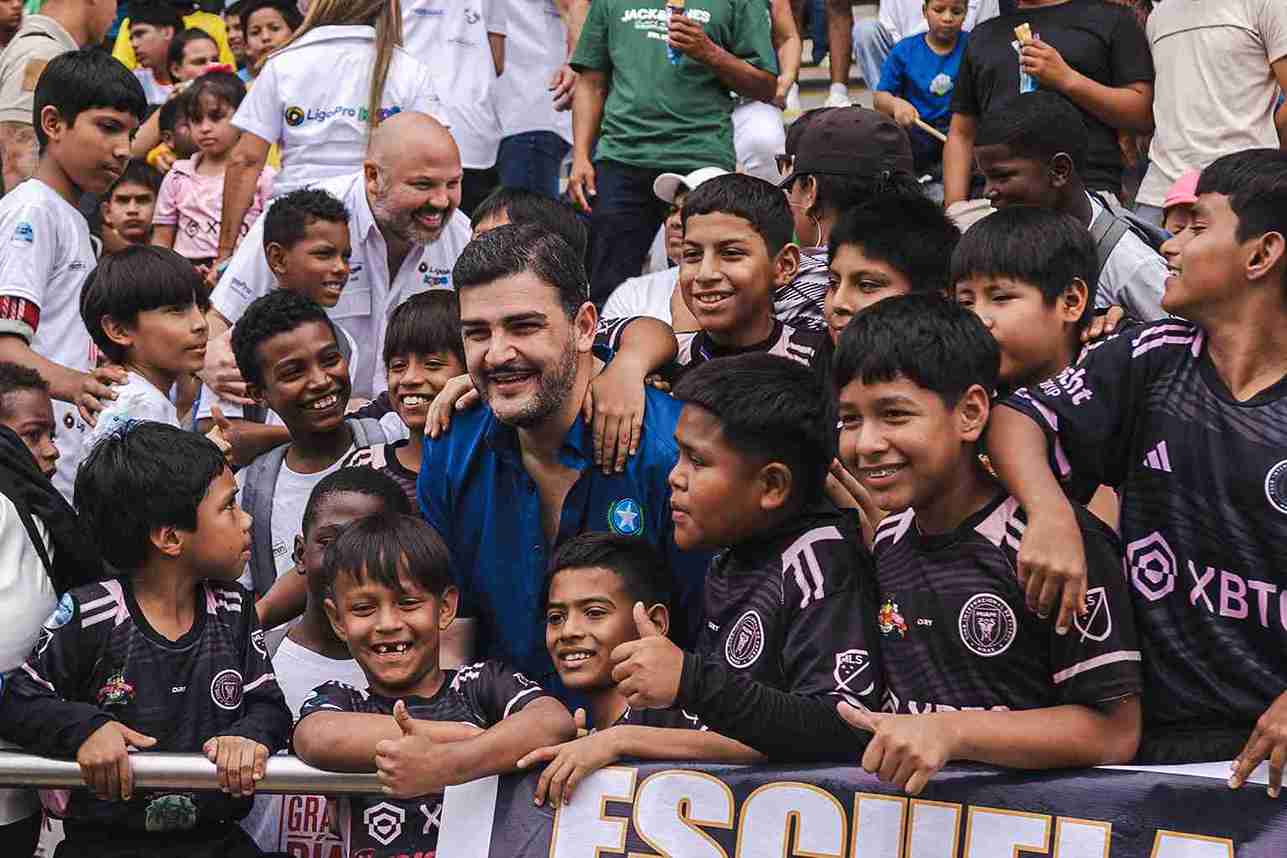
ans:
x=318 y=96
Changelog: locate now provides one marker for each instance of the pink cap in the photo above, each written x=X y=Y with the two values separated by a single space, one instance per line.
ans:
x=1184 y=191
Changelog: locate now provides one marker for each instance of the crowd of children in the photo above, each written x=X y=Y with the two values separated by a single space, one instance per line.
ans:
x=1013 y=495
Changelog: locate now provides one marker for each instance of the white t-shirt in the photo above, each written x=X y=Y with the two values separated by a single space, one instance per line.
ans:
x=311 y=98
x=26 y=601
x=156 y=93
x=45 y=256
x=451 y=38
x=1215 y=92
x=137 y=399
x=646 y=295
x=535 y=48
x=903 y=18
x=297 y=824
x=1131 y=261
x=371 y=294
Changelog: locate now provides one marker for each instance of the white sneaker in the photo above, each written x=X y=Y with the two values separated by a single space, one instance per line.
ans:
x=793 y=98
x=838 y=96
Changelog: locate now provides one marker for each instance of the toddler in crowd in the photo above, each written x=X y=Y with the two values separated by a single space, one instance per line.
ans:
x=100 y=681
x=190 y=204
x=390 y=598
x=918 y=77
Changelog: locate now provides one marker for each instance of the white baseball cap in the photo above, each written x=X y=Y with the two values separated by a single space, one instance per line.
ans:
x=667 y=185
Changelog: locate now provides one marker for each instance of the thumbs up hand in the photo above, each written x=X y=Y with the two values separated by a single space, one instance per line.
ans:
x=647 y=670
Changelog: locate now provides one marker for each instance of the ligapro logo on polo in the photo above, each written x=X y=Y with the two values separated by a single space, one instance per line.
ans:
x=296 y=116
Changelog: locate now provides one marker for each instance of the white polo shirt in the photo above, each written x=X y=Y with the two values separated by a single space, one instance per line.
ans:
x=45 y=256
x=450 y=36
x=535 y=48
x=311 y=98
x=370 y=295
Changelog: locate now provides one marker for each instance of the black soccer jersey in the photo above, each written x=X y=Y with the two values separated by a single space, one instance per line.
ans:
x=1203 y=481
x=787 y=613
x=809 y=347
x=482 y=694
x=97 y=660
x=673 y=718
x=956 y=634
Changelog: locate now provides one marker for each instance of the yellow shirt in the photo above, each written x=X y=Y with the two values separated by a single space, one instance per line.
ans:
x=207 y=21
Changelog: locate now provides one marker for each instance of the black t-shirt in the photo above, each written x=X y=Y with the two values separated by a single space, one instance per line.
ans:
x=1101 y=41
x=1203 y=481
x=802 y=345
x=956 y=634
x=379 y=826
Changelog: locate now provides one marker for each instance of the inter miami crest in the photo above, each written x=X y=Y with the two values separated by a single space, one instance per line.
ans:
x=745 y=641
x=225 y=689
x=987 y=625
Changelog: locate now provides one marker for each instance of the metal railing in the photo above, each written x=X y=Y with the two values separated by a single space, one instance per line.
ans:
x=288 y=775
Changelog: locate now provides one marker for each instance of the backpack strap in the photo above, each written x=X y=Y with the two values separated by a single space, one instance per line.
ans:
x=28 y=523
x=257 y=498
x=1106 y=231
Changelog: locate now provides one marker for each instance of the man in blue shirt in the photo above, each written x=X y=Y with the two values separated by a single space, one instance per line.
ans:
x=511 y=481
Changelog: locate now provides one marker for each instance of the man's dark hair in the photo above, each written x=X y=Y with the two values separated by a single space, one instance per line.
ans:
x=137 y=172
x=522 y=206
x=156 y=14
x=219 y=85
x=770 y=408
x=907 y=232
x=87 y=79
x=932 y=342
x=358 y=481
x=1255 y=181
x=1040 y=247
x=839 y=193
x=642 y=570
x=755 y=201
x=512 y=249
x=15 y=377
x=287 y=219
x=280 y=311
x=139 y=278
x=180 y=42
x=140 y=477
x=425 y=324
x=289 y=12
x=1036 y=125
x=378 y=547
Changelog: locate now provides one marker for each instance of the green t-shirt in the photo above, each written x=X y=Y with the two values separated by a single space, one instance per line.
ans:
x=664 y=116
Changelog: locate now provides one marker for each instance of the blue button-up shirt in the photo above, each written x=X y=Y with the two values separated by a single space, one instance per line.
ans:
x=475 y=492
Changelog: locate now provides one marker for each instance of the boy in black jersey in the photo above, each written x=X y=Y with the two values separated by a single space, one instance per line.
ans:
x=1186 y=419
x=971 y=675
x=786 y=630
x=604 y=590
x=167 y=657
x=423 y=728
x=737 y=252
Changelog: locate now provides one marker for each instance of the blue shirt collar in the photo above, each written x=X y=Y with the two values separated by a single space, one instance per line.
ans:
x=575 y=452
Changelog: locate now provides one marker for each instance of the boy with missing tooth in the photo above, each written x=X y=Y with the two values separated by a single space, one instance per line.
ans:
x=423 y=727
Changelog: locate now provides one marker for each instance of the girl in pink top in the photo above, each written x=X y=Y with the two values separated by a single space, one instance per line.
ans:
x=190 y=204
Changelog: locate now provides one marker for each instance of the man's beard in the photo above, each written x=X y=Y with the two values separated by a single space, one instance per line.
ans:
x=554 y=385
x=402 y=225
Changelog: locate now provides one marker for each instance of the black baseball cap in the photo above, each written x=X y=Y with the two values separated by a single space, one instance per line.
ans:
x=847 y=141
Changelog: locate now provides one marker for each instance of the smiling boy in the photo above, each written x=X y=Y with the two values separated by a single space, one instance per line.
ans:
x=1185 y=419
x=87 y=104
x=971 y=675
